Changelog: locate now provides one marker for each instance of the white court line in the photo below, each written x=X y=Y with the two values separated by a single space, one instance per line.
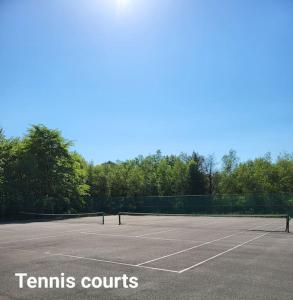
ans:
x=159 y=238
x=108 y=234
x=40 y=237
x=153 y=268
x=79 y=230
x=141 y=237
x=162 y=219
x=58 y=225
x=30 y=239
x=196 y=246
x=221 y=253
x=184 y=250
x=92 y=259
x=17 y=249
x=5 y=230
x=109 y=261
x=155 y=232
x=76 y=230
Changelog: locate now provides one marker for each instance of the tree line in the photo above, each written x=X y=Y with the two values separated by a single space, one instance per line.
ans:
x=38 y=172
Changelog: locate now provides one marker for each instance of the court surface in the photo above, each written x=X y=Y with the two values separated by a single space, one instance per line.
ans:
x=179 y=258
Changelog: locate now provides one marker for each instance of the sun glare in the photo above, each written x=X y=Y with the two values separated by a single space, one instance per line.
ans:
x=123 y=5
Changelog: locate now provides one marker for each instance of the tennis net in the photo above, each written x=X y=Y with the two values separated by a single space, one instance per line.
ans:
x=96 y=217
x=208 y=221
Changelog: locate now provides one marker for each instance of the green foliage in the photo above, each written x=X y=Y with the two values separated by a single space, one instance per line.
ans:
x=40 y=173
x=196 y=176
x=227 y=181
x=260 y=175
x=284 y=173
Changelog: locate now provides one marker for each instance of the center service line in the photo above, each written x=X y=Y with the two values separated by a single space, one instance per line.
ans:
x=184 y=250
x=196 y=246
x=221 y=253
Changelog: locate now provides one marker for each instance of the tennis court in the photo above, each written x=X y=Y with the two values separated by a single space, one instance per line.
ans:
x=173 y=257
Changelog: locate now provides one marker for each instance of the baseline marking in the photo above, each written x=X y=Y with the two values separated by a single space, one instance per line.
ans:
x=5 y=230
x=155 y=232
x=92 y=259
x=40 y=237
x=16 y=249
x=142 y=237
x=110 y=262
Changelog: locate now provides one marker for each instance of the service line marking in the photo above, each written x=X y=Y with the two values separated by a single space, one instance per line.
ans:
x=196 y=246
x=224 y=252
x=160 y=238
x=185 y=250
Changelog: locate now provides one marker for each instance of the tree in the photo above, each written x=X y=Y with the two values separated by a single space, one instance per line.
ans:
x=51 y=177
x=9 y=197
x=180 y=175
x=164 y=178
x=284 y=171
x=210 y=171
x=2 y=163
x=2 y=146
x=39 y=172
x=196 y=177
x=227 y=183
x=230 y=162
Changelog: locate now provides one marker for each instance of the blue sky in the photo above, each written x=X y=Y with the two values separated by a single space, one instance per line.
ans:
x=128 y=77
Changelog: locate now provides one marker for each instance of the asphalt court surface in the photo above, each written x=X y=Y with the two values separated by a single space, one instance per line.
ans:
x=173 y=258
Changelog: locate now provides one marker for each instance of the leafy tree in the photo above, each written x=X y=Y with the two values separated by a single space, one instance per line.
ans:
x=230 y=162
x=51 y=177
x=210 y=171
x=9 y=197
x=284 y=171
x=180 y=175
x=164 y=178
x=227 y=183
x=39 y=172
x=255 y=176
x=196 y=177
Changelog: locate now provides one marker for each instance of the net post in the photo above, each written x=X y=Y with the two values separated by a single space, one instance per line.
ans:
x=287 y=223
x=103 y=218
x=119 y=218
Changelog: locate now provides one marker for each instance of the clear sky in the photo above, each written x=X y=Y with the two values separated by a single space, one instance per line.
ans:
x=128 y=77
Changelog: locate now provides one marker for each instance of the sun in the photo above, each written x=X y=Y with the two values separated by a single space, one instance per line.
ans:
x=123 y=5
